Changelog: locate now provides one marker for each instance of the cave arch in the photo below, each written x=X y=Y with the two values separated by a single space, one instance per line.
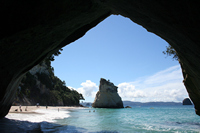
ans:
x=30 y=31
x=124 y=52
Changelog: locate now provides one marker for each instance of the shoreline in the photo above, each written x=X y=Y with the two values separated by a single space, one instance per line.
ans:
x=32 y=109
x=41 y=113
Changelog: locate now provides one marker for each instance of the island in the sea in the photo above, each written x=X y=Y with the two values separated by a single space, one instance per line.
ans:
x=187 y=101
x=107 y=96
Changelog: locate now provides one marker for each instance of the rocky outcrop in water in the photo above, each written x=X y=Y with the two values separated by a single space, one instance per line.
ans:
x=107 y=96
x=33 y=30
x=187 y=101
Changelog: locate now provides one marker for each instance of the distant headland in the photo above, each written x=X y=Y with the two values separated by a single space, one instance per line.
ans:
x=130 y=103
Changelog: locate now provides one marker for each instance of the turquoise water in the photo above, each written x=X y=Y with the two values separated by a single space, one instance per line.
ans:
x=137 y=119
x=167 y=119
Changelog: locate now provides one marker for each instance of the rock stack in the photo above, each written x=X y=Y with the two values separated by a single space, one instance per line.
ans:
x=107 y=96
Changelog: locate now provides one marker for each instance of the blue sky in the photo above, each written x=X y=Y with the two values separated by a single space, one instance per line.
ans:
x=125 y=53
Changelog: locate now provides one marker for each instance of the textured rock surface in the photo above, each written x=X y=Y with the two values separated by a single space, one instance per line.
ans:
x=32 y=30
x=107 y=96
x=187 y=101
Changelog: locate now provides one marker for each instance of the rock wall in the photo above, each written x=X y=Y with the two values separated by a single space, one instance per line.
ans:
x=107 y=96
x=40 y=85
x=32 y=30
x=42 y=68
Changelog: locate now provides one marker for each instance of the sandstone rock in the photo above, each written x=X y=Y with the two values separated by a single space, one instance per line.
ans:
x=42 y=68
x=107 y=96
x=187 y=101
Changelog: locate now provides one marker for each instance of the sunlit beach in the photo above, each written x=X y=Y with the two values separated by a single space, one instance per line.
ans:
x=99 y=66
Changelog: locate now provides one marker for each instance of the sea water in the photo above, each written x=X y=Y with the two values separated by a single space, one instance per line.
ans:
x=145 y=119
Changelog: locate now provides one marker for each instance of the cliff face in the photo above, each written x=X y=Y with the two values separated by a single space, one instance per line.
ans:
x=107 y=96
x=33 y=30
x=40 y=85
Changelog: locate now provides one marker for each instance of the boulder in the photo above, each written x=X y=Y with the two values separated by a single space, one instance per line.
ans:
x=187 y=101
x=107 y=96
x=128 y=107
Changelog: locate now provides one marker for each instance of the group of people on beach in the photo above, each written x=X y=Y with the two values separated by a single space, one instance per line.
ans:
x=20 y=108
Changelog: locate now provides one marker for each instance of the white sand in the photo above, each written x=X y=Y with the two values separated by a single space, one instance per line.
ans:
x=32 y=109
x=39 y=114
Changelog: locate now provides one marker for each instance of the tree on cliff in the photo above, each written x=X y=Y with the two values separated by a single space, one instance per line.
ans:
x=41 y=85
x=170 y=51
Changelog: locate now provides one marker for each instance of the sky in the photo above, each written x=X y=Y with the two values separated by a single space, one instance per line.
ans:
x=129 y=56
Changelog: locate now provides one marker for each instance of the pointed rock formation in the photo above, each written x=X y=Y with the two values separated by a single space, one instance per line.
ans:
x=107 y=96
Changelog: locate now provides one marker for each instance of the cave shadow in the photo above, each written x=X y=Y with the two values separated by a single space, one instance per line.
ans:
x=17 y=126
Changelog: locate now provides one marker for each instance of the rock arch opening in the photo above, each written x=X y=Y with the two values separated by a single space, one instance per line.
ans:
x=31 y=31
x=128 y=55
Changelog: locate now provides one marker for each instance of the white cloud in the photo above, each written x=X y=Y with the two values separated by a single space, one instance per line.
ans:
x=170 y=74
x=71 y=88
x=88 y=89
x=165 y=85
x=128 y=91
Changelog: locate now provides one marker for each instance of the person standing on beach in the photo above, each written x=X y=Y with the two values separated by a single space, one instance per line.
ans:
x=26 y=109
x=38 y=105
x=20 y=108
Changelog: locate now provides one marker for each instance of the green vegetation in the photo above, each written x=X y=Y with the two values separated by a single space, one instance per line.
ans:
x=42 y=86
x=170 y=51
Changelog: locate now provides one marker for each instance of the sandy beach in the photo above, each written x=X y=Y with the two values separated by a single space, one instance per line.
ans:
x=32 y=109
x=36 y=119
x=40 y=114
